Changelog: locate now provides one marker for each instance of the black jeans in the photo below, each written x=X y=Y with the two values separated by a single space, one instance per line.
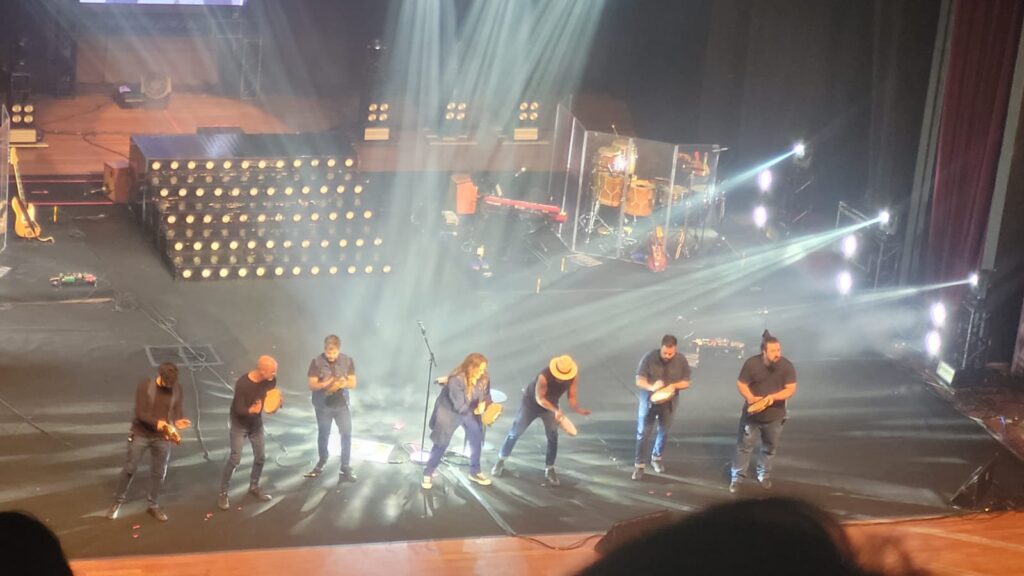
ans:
x=160 y=453
x=238 y=436
x=342 y=418
x=528 y=412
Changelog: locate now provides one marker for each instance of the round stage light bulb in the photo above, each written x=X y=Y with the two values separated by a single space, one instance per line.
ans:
x=245 y=164
x=349 y=162
x=182 y=192
x=386 y=269
x=286 y=244
x=243 y=272
x=279 y=271
x=368 y=269
x=172 y=219
x=342 y=243
x=206 y=273
x=378 y=241
x=368 y=214
x=233 y=245
x=224 y=272
x=306 y=189
x=155 y=166
x=760 y=216
x=279 y=164
x=243 y=218
x=314 y=162
x=350 y=215
x=341 y=188
x=351 y=269
x=191 y=165
x=844 y=282
x=179 y=246
x=358 y=189
x=359 y=242
x=325 y=243
x=305 y=244
x=261 y=271
x=296 y=271
x=315 y=270
x=186 y=273
x=270 y=244
x=251 y=244
x=236 y=191
x=933 y=343
x=214 y=245
x=261 y=218
x=174 y=165
x=850 y=246
x=261 y=164
x=297 y=218
x=331 y=162
x=332 y=270
x=938 y=314
x=190 y=219
x=164 y=192
x=210 y=164
x=764 y=180
x=297 y=163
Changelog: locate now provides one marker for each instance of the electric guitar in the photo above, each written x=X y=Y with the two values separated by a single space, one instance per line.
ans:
x=657 y=261
x=25 y=225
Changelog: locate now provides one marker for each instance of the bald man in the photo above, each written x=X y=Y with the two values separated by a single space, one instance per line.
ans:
x=247 y=422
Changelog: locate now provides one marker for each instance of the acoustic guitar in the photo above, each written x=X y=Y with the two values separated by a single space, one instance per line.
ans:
x=25 y=225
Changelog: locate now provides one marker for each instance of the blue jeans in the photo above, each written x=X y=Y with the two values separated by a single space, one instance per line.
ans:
x=528 y=412
x=651 y=416
x=238 y=436
x=342 y=418
x=160 y=455
x=474 y=435
x=769 y=432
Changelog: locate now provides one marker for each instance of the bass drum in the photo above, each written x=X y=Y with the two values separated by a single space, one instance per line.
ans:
x=640 y=198
x=607 y=187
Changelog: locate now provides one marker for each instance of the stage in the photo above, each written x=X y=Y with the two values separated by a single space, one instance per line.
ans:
x=867 y=437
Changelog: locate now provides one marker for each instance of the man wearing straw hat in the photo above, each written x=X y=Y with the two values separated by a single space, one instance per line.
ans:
x=540 y=400
x=660 y=369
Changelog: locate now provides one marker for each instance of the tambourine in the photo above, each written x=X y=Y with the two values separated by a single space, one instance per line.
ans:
x=491 y=413
x=759 y=406
x=272 y=403
x=663 y=394
x=567 y=425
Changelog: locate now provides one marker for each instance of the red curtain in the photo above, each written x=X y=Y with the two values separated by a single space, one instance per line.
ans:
x=980 y=70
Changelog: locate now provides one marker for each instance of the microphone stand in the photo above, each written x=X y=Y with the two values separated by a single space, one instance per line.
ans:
x=431 y=363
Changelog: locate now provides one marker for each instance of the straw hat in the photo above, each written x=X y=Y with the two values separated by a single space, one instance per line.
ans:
x=563 y=367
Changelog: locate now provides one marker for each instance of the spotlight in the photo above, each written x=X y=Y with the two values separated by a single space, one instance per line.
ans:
x=799 y=150
x=850 y=246
x=884 y=217
x=933 y=343
x=973 y=279
x=764 y=180
x=938 y=314
x=844 y=282
x=760 y=216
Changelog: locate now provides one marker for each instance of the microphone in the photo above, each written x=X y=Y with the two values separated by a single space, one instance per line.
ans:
x=423 y=329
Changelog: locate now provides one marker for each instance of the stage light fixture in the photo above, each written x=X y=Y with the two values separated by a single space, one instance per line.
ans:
x=938 y=314
x=386 y=269
x=850 y=246
x=933 y=343
x=799 y=150
x=884 y=217
x=351 y=269
x=764 y=180
x=973 y=279
x=760 y=216
x=844 y=282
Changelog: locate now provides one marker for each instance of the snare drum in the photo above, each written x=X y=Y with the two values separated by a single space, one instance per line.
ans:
x=608 y=188
x=640 y=198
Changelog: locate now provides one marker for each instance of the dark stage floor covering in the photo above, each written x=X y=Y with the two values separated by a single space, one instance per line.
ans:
x=866 y=437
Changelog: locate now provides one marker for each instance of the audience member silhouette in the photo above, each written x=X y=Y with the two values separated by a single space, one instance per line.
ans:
x=28 y=547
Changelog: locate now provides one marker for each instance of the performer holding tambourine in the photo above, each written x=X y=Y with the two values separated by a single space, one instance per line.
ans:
x=661 y=374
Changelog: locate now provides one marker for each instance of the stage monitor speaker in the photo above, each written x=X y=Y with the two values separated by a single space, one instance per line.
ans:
x=116 y=181
x=626 y=531
x=465 y=193
x=156 y=90
x=546 y=245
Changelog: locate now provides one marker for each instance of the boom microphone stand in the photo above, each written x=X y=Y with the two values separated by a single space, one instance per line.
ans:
x=431 y=363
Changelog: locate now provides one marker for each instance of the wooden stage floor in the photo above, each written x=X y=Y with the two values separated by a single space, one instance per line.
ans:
x=975 y=545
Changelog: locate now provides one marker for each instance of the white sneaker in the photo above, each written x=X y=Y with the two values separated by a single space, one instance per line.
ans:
x=427 y=483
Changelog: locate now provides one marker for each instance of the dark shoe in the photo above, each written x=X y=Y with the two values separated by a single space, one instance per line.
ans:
x=638 y=473
x=222 y=501
x=499 y=468
x=314 y=472
x=658 y=466
x=157 y=513
x=260 y=494
x=765 y=482
x=114 y=510
x=347 y=474
x=551 y=477
x=734 y=485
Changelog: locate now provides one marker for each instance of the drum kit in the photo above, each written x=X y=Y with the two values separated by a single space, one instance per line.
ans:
x=616 y=188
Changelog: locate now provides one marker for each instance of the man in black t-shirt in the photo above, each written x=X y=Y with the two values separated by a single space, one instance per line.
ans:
x=659 y=368
x=766 y=380
x=157 y=418
x=247 y=422
x=540 y=400
x=331 y=375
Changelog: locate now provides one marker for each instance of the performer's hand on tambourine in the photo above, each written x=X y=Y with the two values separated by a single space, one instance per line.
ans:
x=480 y=407
x=760 y=404
x=274 y=401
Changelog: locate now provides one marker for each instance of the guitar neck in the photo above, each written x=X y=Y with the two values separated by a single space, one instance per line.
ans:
x=17 y=174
